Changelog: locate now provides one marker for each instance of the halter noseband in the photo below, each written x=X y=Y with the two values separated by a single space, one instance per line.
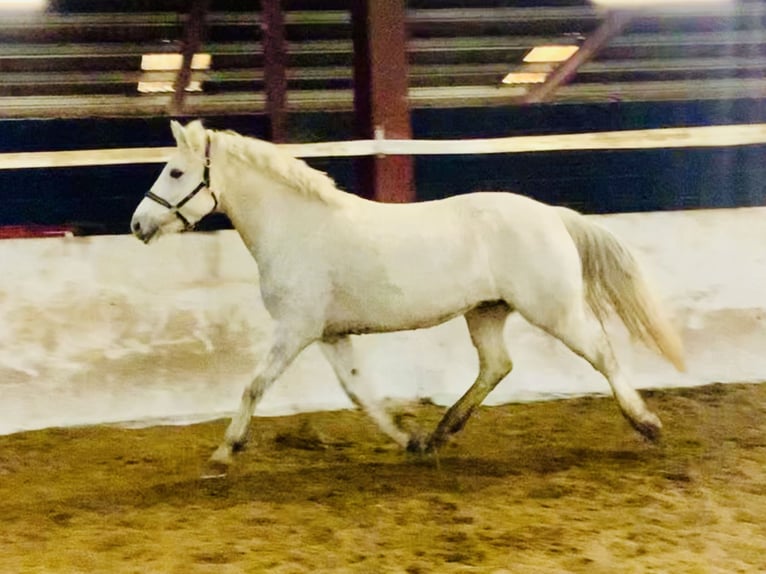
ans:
x=204 y=184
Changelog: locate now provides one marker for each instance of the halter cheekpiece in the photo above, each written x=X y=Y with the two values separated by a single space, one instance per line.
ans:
x=204 y=184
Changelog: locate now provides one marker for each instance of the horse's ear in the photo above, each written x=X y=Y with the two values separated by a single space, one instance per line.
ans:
x=195 y=135
x=179 y=134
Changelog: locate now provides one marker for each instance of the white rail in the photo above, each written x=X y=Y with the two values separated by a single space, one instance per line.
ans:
x=686 y=137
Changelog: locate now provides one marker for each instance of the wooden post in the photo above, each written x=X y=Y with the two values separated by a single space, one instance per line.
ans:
x=193 y=33
x=275 y=67
x=381 y=96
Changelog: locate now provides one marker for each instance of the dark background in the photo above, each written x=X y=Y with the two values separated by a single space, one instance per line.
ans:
x=101 y=199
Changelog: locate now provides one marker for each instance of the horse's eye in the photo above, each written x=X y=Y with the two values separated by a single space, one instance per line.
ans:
x=176 y=173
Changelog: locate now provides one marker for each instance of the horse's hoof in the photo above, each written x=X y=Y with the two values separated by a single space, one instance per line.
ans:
x=219 y=463
x=651 y=430
x=417 y=444
x=422 y=445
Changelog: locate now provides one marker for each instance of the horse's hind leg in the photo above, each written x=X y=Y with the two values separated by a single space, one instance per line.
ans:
x=340 y=354
x=584 y=335
x=485 y=324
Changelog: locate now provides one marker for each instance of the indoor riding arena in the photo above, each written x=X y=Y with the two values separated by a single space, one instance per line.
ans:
x=125 y=366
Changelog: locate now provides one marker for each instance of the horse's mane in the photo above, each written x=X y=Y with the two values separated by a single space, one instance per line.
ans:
x=287 y=169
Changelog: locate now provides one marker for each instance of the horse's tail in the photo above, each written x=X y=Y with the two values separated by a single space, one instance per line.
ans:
x=613 y=279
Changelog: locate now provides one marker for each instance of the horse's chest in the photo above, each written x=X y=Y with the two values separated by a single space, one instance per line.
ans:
x=299 y=289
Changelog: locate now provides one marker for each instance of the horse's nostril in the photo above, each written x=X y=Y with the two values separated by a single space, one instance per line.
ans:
x=136 y=227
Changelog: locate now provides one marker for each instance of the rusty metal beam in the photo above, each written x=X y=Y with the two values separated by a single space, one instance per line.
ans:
x=381 y=96
x=193 y=33
x=274 y=67
x=614 y=24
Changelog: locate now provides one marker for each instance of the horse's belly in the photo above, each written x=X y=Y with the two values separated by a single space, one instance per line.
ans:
x=360 y=326
x=389 y=308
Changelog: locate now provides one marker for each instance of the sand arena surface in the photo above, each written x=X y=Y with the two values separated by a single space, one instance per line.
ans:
x=561 y=486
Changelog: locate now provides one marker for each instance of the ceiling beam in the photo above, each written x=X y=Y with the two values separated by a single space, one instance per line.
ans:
x=111 y=105
x=88 y=55
x=614 y=24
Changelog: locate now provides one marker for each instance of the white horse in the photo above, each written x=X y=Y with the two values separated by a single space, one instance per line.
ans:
x=333 y=264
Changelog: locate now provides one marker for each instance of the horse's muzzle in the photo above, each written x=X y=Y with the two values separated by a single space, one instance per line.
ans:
x=143 y=231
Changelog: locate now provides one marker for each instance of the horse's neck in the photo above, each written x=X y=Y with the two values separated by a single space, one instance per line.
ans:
x=267 y=212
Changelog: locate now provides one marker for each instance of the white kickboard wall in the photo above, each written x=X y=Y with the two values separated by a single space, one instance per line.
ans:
x=106 y=329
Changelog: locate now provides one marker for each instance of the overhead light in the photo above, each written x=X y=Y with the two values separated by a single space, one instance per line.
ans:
x=525 y=78
x=170 y=62
x=550 y=53
x=23 y=4
x=166 y=87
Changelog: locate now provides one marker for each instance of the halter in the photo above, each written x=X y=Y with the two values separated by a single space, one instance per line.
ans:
x=204 y=184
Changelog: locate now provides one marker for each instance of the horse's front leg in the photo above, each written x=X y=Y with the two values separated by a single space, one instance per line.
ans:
x=285 y=347
x=339 y=352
